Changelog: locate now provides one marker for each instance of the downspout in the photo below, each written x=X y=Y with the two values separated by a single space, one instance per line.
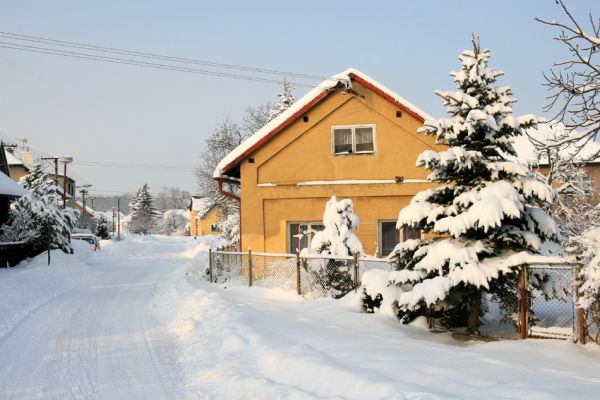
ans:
x=234 y=197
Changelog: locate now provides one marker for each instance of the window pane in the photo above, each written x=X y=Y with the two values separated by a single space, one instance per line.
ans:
x=342 y=140
x=390 y=237
x=410 y=233
x=364 y=139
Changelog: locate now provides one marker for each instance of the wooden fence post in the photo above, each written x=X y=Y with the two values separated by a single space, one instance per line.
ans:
x=356 y=279
x=581 y=320
x=210 y=272
x=523 y=303
x=249 y=266
x=298 y=276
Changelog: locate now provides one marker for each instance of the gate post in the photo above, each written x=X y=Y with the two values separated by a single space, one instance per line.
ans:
x=581 y=325
x=356 y=280
x=249 y=266
x=210 y=272
x=298 y=276
x=523 y=303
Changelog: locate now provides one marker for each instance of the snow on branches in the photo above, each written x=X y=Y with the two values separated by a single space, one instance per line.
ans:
x=487 y=207
x=38 y=217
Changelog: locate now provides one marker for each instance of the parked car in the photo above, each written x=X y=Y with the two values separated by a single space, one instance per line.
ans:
x=87 y=237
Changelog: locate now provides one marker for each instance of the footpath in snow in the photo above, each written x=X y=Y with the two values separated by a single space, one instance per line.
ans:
x=136 y=321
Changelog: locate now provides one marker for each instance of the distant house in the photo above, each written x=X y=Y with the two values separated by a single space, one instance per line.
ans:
x=351 y=137
x=204 y=217
x=9 y=190
x=18 y=168
x=527 y=154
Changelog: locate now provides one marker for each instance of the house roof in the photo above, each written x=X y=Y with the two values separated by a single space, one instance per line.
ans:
x=8 y=187
x=301 y=106
x=545 y=132
x=202 y=205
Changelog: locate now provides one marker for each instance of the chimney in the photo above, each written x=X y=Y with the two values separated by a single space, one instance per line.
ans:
x=27 y=157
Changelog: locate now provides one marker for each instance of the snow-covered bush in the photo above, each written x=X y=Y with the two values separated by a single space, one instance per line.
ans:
x=175 y=222
x=102 y=228
x=336 y=239
x=486 y=208
x=38 y=217
x=230 y=228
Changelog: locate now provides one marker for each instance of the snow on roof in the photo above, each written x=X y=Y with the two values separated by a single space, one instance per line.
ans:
x=527 y=153
x=201 y=205
x=12 y=159
x=8 y=187
x=303 y=104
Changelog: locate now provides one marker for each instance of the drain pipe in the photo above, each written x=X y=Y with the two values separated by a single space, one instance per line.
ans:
x=234 y=197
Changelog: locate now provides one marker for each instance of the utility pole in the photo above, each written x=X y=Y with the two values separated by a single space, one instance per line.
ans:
x=92 y=200
x=83 y=192
x=113 y=225
x=65 y=160
x=118 y=218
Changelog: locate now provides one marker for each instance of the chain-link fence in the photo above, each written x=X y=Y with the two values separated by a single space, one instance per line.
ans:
x=552 y=301
x=540 y=303
x=312 y=277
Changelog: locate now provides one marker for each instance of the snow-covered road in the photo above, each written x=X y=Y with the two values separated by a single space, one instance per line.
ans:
x=99 y=340
x=136 y=322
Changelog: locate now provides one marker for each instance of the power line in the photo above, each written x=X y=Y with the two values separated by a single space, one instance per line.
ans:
x=63 y=43
x=116 y=60
x=126 y=165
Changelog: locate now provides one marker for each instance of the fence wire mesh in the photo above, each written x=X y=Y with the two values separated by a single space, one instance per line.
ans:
x=552 y=312
x=312 y=277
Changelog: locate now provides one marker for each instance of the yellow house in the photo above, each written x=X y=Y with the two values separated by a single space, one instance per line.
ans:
x=204 y=216
x=18 y=168
x=350 y=137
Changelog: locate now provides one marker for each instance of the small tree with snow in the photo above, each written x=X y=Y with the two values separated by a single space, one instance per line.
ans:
x=143 y=213
x=336 y=239
x=38 y=217
x=284 y=100
x=102 y=228
x=486 y=208
x=175 y=222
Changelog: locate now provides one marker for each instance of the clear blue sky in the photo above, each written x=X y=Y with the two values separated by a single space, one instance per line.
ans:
x=99 y=111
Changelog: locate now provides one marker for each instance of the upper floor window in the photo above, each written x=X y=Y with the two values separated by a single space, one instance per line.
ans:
x=353 y=139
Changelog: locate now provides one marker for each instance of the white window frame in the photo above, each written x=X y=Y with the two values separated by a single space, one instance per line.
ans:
x=289 y=232
x=353 y=128
x=380 y=235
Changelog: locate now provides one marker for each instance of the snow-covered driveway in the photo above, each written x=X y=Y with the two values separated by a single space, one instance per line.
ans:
x=135 y=322
x=100 y=339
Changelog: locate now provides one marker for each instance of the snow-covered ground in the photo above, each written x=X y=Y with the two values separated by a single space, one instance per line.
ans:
x=134 y=321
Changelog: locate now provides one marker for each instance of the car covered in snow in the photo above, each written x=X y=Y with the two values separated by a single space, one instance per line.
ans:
x=87 y=237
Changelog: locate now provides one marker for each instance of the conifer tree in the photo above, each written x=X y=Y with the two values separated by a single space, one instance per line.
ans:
x=102 y=228
x=487 y=215
x=337 y=239
x=38 y=217
x=143 y=212
x=284 y=100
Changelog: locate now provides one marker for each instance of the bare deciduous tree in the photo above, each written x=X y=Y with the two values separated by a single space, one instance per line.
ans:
x=574 y=83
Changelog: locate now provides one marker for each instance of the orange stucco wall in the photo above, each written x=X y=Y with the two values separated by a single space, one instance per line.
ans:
x=203 y=227
x=272 y=198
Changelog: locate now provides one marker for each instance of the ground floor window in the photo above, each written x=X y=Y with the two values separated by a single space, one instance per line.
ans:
x=389 y=236
x=300 y=234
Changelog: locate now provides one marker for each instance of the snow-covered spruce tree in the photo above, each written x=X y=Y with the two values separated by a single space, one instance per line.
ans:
x=38 y=217
x=486 y=208
x=284 y=100
x=102 y=228
x=143 y=213
x=336 y=239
